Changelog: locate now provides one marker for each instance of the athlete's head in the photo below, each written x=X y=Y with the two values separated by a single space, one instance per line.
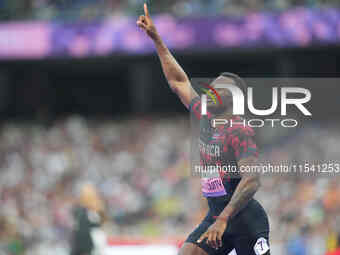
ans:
x=225 y=94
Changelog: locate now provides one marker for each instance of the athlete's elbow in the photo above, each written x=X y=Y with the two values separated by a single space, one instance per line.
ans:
x=176 y=86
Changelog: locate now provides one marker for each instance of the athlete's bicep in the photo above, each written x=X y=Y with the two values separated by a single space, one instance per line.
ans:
x=184 y=91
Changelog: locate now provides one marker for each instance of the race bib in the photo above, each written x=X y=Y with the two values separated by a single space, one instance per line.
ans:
x=261 y=246
x=212 y=187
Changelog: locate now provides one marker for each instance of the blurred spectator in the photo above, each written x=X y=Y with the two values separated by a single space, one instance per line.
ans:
x=88 y=215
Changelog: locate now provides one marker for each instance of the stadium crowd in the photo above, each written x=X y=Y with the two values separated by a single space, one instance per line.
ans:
x=97 y=9
x=145 y=181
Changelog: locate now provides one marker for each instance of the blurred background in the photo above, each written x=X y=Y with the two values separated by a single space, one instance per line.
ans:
x=88 y=121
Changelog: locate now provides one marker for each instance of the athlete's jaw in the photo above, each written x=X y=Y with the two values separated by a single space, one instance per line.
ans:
x=216 y=108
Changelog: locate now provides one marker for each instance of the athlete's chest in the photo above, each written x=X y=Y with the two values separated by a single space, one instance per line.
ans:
x=213 y=145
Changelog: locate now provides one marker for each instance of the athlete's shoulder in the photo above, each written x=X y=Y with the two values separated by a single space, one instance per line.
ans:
x=195 y=103
x=195 y=109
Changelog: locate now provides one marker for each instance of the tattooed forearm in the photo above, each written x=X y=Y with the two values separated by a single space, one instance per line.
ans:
x=242 y=195
x=244 y=192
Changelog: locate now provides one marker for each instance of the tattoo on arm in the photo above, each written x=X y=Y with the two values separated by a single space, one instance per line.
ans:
x=244 y=193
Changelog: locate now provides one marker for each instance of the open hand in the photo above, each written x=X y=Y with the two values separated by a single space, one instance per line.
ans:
x=214 y=234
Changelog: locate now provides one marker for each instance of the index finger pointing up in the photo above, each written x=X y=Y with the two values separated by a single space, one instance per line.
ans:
x=146 y=11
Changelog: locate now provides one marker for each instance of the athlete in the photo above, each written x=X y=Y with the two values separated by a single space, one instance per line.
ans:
x=235 y=220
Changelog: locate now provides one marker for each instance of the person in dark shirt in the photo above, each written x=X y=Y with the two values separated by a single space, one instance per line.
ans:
x=235 y=221
x=88 y=215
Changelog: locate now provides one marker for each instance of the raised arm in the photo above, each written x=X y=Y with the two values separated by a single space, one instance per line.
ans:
x=175 y=75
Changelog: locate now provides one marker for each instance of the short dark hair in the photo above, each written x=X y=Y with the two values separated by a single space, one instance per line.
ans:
x=238 y=80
